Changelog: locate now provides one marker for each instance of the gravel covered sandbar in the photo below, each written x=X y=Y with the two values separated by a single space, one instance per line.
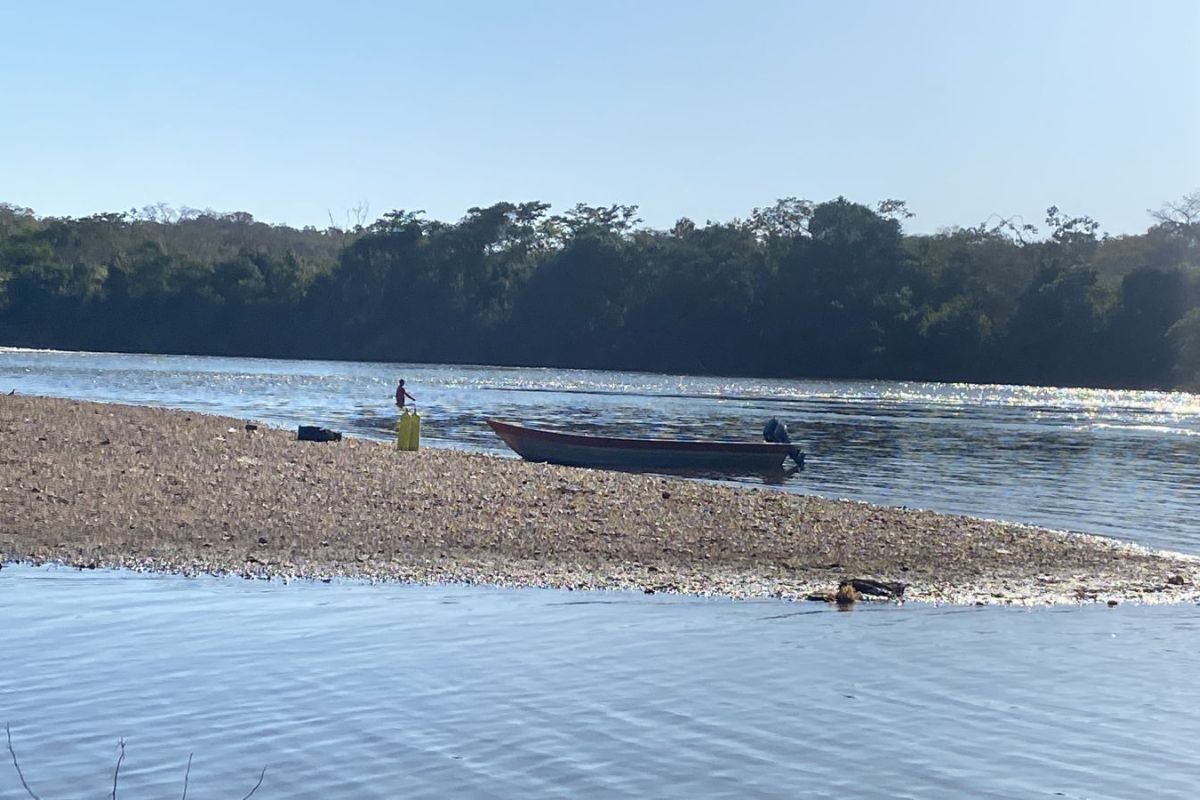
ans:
x=94 y=485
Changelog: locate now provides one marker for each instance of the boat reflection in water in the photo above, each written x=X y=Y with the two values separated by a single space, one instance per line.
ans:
x=696 y=458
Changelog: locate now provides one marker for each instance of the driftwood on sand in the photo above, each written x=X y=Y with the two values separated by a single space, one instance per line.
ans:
x=94 y=485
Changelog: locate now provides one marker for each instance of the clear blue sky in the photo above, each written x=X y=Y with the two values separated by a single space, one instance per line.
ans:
x=295 y=110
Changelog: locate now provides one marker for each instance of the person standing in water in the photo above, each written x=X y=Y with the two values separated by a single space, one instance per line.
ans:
x=402 y=394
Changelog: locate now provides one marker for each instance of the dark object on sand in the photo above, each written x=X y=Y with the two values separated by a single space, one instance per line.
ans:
x=887 y=589
x=851 y=590
x=314 y=433
x=847 y=595
x=579 y=450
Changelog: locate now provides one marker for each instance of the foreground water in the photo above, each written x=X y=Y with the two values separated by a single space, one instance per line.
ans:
x=1120 y=463
x=386 y=691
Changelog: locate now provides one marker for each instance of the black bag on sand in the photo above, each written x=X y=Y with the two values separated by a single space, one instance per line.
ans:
x=315 y=433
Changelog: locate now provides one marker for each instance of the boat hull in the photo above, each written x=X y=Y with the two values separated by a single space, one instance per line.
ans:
x=578 y=450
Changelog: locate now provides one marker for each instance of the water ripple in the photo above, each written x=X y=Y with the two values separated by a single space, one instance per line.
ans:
x=383 y=691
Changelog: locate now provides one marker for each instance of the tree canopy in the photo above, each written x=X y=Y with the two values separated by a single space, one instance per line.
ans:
x=796 y=289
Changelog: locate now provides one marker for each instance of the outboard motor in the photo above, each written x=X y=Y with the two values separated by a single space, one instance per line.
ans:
x=776 y=431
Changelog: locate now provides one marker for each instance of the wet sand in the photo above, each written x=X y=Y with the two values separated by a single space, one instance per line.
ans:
x=93 y=485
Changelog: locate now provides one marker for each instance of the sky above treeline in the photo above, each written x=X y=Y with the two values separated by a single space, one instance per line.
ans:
x=303 y=112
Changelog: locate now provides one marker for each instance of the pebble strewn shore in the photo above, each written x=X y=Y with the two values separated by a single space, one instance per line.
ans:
x=94 y=485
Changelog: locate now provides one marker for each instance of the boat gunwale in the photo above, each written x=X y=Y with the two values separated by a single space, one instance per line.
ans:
x=505 y=429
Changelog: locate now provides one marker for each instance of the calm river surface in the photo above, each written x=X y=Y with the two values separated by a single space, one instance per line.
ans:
x=357 y=690
x=354 y=691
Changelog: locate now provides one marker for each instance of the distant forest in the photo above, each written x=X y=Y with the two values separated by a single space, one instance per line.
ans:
x=799 y=289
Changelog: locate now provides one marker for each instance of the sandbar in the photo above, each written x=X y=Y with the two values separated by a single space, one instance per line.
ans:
x=95 y=485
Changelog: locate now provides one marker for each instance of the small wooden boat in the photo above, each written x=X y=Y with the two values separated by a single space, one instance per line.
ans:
x=610 y=452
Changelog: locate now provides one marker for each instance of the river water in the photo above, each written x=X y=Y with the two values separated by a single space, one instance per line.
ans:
x=360 y=690
x=1118 y=463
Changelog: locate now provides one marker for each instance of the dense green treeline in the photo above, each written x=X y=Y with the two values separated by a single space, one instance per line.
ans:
x=798 y=289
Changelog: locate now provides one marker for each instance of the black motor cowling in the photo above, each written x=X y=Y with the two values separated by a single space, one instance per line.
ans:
x=776 y=431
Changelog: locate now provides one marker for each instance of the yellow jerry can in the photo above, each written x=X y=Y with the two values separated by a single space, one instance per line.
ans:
x=414 y=432
x=402 y=426
x=408 y=431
